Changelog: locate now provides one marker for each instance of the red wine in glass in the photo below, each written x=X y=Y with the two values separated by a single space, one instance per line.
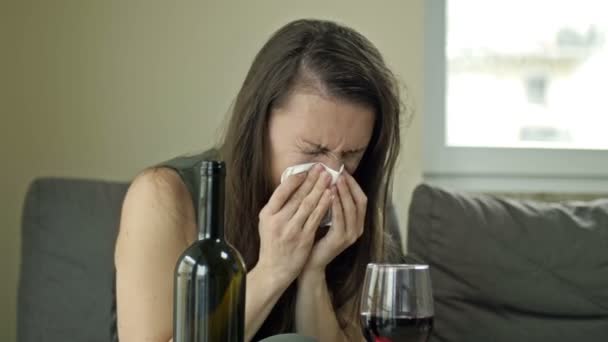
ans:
x=397 y=303
x=379 y=329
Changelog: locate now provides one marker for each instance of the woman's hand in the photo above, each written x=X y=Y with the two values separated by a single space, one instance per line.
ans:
x=289 y=221
x=349 y=205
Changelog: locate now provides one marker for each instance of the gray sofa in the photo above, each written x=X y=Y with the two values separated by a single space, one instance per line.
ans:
x=513 y=270
x=67 y=263
x=501 y=270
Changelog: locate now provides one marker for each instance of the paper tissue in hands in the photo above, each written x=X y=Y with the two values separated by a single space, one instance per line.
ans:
x=292 y=170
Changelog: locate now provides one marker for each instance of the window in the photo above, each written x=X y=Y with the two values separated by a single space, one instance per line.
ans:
x=514 y=94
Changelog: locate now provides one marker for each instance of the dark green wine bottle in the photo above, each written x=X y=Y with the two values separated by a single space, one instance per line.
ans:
x=209 y=301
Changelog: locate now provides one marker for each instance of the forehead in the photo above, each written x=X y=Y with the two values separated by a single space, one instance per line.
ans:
x=331 y=122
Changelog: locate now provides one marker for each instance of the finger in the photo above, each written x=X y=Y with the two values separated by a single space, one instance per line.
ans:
x=314 y=219
x=337 y=215
x=348 y=205
x=355 y=190
x=310 y=202
x=288 y=189
x=308 y=180
x=314 y=187
x=284 y=192
x=359 y=197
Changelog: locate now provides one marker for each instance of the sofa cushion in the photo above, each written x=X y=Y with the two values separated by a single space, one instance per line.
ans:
x=68 y=235
x=508 y=270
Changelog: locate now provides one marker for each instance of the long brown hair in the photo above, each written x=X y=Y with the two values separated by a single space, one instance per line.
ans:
x=348 y=67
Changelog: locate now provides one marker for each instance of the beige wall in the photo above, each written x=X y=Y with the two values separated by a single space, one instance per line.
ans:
x=103 y=88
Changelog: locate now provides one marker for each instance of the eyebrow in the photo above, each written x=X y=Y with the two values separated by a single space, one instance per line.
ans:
x=326 y=149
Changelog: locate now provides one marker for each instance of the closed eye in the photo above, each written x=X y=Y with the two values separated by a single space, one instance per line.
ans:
x=347 y=155
x=315 y=152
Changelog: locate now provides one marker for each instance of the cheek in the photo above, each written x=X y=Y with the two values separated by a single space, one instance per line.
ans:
x=352 y=165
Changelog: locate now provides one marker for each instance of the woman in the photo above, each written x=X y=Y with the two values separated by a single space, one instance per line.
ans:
x=316 y=92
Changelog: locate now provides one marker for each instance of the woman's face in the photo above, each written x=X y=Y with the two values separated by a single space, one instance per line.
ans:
x=309 y=127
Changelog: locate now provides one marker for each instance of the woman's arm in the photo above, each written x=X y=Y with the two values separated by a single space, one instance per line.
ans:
x=315 y=315
x=263 y=291
x=157 y=225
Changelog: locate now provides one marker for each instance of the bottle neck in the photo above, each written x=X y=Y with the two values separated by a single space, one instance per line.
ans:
x=211 y=201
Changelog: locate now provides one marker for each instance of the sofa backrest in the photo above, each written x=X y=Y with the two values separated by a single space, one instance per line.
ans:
x=512 y=270
x=68 y=234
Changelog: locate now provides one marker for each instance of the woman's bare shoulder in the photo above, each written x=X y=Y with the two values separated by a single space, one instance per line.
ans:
x=158 y=198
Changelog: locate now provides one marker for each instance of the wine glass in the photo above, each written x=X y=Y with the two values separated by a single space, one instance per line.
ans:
x=397 y=303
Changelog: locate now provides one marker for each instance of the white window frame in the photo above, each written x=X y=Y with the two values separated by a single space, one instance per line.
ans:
x=493 y=169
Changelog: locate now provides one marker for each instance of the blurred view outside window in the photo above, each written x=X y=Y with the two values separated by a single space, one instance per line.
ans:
x=530 y=74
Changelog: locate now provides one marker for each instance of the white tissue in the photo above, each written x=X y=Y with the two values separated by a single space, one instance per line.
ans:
x=293 y=170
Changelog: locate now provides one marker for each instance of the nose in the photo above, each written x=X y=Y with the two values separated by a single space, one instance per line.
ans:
x=333 y=162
